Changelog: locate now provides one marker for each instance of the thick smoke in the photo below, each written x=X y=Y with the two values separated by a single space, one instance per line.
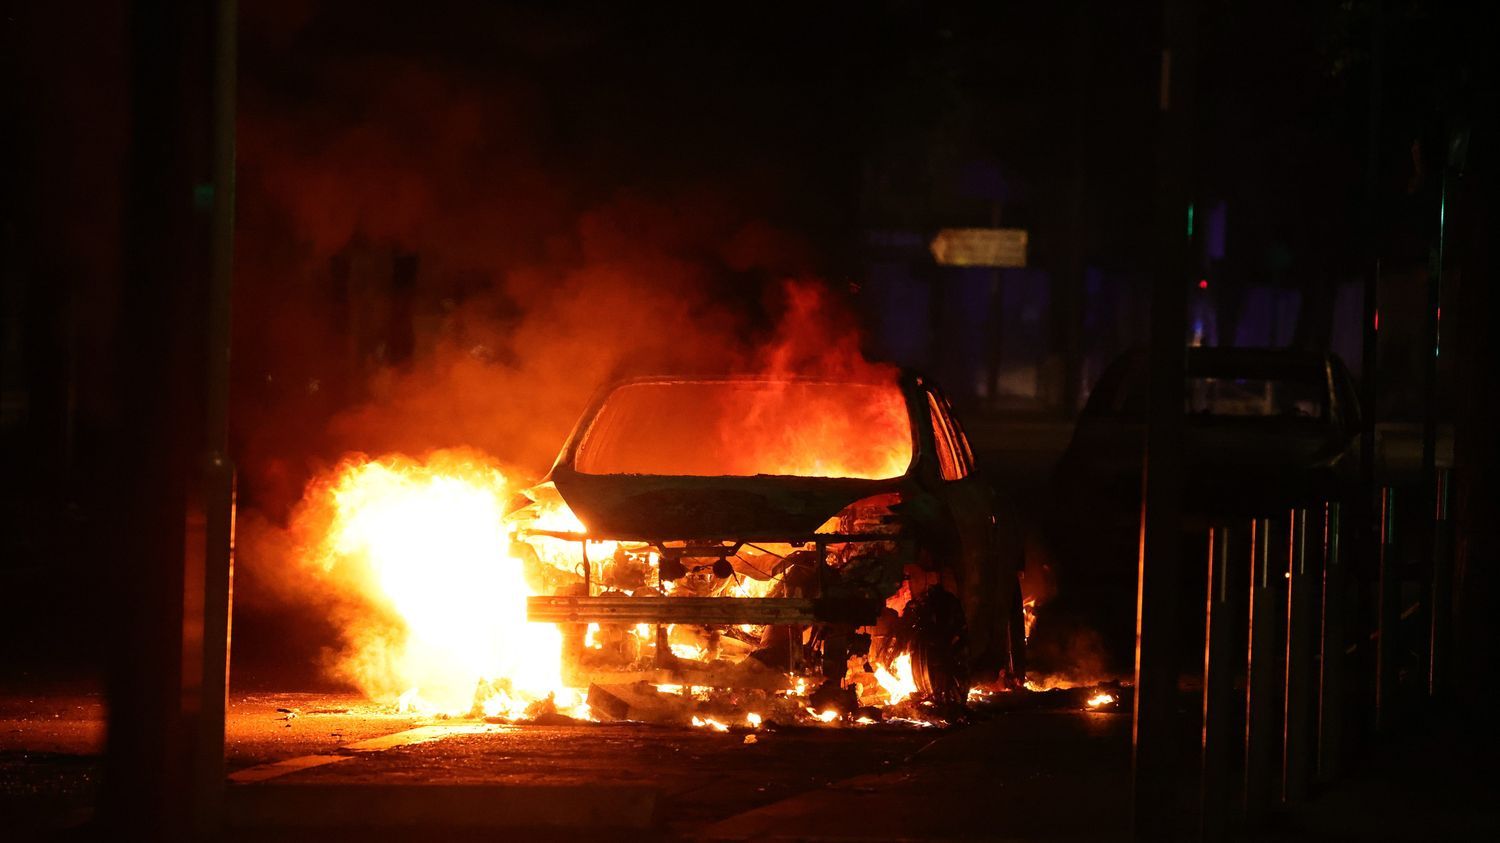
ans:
x=416 y=270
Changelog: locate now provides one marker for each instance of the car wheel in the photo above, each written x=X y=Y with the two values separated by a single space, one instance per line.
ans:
x=939 y=649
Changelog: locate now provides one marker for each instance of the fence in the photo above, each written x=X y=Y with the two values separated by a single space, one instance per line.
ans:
x=1309 y=629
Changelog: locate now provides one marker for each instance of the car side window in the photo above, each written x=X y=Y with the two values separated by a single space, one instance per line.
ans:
x=955 y=460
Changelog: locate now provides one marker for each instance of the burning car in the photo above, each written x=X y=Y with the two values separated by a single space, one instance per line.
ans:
x=773 y=533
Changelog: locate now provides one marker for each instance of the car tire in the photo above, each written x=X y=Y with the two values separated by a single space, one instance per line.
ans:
x=939 y=647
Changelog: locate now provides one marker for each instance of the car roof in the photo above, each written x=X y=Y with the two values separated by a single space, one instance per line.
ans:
x=747 y=378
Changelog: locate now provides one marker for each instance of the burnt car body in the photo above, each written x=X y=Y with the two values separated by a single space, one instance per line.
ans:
x=1266 y=430
x=772 y=527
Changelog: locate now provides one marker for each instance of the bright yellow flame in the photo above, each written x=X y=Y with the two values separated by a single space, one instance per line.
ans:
x=692 y=652
x=550 y=512
x=747 y=587
x=441 y=604
x=1100 y=698
x=710 y=723
x=897 y=680
x=753 y=720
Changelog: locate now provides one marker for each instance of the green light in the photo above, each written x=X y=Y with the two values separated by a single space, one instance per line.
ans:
x=1190 y=220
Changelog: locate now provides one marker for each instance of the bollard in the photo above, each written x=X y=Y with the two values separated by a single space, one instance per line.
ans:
x=1388 y=619
x=1222 y=625
x=1333 y=657
x=1441 y=597
x=1296 y=728
x=1261 y=675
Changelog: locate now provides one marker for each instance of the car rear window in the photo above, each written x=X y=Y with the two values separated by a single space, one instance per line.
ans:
x=746 y=428
x=1257 y=397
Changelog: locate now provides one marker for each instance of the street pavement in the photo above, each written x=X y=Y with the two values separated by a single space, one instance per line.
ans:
x=307 y=764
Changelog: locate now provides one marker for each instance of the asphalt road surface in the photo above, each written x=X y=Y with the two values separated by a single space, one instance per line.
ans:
x=307 y=764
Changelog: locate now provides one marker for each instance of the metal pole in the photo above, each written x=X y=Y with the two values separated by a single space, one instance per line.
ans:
x=1363 y=515
x=1388 y=620
x=1220 y=634
x=1261 y=674
x=1156 y=761
x=1297 y=705
x=1442 y=585
x=1427 y=503
x=1333 y=656
x=218 y=480
x=165 y=689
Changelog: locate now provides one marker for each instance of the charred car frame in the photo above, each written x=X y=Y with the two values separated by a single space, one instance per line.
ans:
x=776 y=569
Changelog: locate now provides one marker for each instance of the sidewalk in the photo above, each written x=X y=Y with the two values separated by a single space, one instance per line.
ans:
x=1024 y=776
x=1439 y=781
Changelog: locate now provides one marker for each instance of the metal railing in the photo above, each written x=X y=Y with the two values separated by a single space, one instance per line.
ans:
x=1306 y=645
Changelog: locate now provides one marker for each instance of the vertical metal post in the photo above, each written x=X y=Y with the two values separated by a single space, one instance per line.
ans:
x=1332 y=658
x=1441 y=597
x=1261 y=674
x=216 y=599
x=1430 y=350
x=1388 y=619
x=1156 y=761
x=167 y=467
x=1220 y=635
x=1297 y=705
x=1363 y=515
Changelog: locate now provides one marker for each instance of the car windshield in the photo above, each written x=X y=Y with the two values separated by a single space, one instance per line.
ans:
x=1256 y=397
x=745 y=428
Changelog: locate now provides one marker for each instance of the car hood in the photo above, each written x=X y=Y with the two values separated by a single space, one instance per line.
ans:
x=659 y=508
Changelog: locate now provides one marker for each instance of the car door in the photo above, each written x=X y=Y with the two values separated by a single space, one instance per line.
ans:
x=970 y=506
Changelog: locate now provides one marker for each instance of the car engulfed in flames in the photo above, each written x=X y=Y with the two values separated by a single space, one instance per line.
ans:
x=725 y=552
x=824 y=541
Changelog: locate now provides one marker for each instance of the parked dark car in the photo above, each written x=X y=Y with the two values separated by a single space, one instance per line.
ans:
x=1266 y=430
x=741 y=531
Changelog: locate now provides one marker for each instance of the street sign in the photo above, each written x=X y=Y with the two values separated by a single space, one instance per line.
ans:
x=998 y=247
